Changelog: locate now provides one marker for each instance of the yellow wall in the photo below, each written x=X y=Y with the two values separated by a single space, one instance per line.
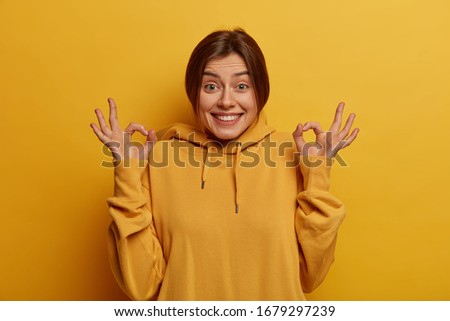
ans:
x=388 y=59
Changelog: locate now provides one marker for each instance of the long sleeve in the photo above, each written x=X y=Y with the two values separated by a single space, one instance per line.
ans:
x=318 y=218
x=135 y=253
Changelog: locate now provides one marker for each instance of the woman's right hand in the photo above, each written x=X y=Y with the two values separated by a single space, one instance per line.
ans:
x=119 y=141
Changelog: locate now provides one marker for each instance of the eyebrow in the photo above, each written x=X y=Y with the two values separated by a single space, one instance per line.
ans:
x=212 y=74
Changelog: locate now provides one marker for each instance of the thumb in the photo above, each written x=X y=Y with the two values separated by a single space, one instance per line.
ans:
x=298 y=137
x=151 y=139
x=151 y=136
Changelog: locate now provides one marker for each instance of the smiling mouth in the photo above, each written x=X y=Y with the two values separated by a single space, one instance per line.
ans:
x=227 y=118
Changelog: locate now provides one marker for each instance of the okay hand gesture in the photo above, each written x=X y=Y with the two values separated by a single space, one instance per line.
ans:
x=118 y=140
x=327 y=143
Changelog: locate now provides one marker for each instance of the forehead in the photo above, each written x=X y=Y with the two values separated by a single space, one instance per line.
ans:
x=231 y=62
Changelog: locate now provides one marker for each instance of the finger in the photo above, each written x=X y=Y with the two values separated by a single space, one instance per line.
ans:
x=151 y=140
x=348 y=125
x=351 y=138
x=135 y=127
x=298 y=137
x=102 y=122
x=151 y=137
x=336 y=125
x=102 y=137
x=315 y=126
x=113 y=121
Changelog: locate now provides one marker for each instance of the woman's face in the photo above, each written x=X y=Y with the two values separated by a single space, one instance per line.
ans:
x=227 y=103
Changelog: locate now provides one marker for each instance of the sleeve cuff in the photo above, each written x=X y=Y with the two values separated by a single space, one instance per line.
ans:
x=128 y=177
x=316 y=172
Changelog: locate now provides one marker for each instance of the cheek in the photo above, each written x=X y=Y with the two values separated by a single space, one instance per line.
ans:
x=201 y=118
x=205 y=101
x=202 y=113
x=202 y=102
x=251 y=105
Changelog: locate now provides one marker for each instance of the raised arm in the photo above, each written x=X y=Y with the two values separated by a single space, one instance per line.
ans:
x=135 y=253
x=319 y=213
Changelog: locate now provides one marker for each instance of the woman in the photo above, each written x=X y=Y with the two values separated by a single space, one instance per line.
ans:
x=225 y=211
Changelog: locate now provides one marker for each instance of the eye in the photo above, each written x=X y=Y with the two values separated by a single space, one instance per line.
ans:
x=210 y=87
x=242 y=86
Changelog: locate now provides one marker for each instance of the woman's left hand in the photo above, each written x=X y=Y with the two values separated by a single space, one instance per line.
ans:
x=328 y=143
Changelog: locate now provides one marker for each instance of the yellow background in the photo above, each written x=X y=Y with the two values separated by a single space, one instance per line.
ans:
x=389 y=60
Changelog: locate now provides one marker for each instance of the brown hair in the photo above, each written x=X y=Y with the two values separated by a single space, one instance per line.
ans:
x=220 y=44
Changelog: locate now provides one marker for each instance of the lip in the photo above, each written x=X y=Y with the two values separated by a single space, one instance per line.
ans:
x=226 y=122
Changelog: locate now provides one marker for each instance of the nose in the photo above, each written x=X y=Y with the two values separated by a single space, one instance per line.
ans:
x=226 y=99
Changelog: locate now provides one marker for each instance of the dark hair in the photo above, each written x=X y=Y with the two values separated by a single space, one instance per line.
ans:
x=220 y=44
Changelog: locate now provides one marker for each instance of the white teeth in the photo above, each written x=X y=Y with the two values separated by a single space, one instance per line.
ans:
x=227 y=117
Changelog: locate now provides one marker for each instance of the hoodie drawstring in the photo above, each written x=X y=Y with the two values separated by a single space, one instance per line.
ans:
x=205 y=168
x=236 y=181
x=205 y=171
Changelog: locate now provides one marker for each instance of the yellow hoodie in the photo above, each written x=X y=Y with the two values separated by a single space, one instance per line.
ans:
x=201 y=221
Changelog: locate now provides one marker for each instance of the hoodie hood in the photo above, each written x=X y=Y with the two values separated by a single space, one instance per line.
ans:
x=254 y=134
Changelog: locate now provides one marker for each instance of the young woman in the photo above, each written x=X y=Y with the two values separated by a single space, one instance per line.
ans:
x=232 y=209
